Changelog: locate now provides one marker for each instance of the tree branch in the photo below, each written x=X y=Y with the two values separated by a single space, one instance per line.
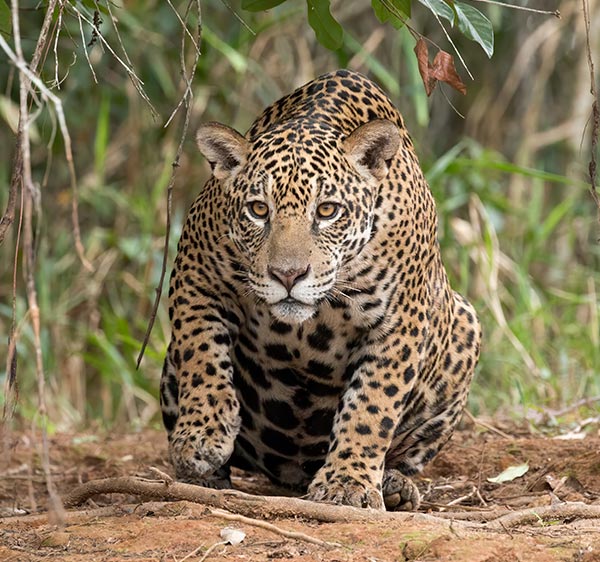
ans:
x=230 y=500
x=269 y=507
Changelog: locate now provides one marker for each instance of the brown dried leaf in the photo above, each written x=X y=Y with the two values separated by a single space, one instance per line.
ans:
x=444 y=70
x=425 y=67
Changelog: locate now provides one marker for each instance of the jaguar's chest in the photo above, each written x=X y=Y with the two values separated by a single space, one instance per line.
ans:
x=278 y=354
x=289 y=379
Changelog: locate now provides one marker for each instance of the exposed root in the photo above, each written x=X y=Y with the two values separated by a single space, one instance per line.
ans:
x=562 y=512
x=267 y=507
x=230 y=500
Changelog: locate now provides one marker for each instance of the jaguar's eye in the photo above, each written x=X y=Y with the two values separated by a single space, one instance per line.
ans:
x=327 y=211
x=258 y=209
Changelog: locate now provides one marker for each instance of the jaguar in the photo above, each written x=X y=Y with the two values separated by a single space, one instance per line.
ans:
x=315 y=336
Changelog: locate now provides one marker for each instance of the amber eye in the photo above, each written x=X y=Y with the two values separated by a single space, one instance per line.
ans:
x=327 y=210
x=258 y=209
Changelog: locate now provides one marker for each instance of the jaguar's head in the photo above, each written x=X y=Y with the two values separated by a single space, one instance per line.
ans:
x=301 y=203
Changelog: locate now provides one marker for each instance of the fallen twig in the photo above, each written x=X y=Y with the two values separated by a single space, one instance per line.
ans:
x=473 y=514
x=158 y=473
x=441 y=509
x=487 y=426
x=198 y=549
x=72 y=517
x=567 y=510
x=270 y=527
x=575 y=406
x=460 y=500
x=502 y=518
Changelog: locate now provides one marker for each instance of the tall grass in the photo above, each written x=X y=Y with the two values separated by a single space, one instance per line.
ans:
x=517 y=226
x=532 y=272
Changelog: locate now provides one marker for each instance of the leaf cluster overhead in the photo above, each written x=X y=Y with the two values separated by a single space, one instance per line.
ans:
x=470 y=21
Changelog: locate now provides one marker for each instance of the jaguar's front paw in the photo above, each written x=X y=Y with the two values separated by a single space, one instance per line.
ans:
x=399 y=492
x=345 y=490
x=201 y=461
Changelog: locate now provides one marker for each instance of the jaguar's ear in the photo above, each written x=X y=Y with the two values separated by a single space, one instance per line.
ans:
x=224 y=148
x=371 y=146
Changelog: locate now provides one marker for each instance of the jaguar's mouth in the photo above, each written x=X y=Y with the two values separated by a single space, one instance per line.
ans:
x=292 y=310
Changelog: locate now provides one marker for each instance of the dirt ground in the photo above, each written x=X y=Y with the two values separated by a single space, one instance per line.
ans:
x=116 y=527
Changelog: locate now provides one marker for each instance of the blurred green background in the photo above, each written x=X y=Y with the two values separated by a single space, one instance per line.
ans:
x=518 y=226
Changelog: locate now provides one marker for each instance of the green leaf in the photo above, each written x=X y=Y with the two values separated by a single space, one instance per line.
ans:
x=553 y=219
x=259 y=5
x=475 y=26
x=485 y=164
x=236 y=60
x=510 y=473
x=402 y=6
x=328 y=31
x=394 y=11
x=440 y=8
x=5 y=19
x=102 y=137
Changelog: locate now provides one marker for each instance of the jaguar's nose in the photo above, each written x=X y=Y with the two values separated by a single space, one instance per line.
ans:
x=288 y=277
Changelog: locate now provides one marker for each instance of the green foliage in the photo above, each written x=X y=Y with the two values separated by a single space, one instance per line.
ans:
x=517 y=239
x=471 y=22
x=5 y=20
x=259 y=5
x=394 y=11
x=439 y=8
x=475 y=26
x=528 y=302
x=328 y=31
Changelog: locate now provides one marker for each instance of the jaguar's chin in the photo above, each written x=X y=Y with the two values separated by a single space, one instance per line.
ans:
x=292 y=311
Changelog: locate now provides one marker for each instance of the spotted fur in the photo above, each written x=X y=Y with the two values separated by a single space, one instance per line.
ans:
x=315 y=336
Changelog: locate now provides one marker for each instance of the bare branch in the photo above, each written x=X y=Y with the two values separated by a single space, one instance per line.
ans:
x=84 y=47
x=188 y=94
x=56 y=38
x=567 y=510
x=10 y=387
x=184 y=27
x=555 y=13
x=595 y=108
x=9 y=213
x=135 y=79
x=58 y=107
x=28 y=196
x=237 y=16
x=17 y=169
x=187 y=99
